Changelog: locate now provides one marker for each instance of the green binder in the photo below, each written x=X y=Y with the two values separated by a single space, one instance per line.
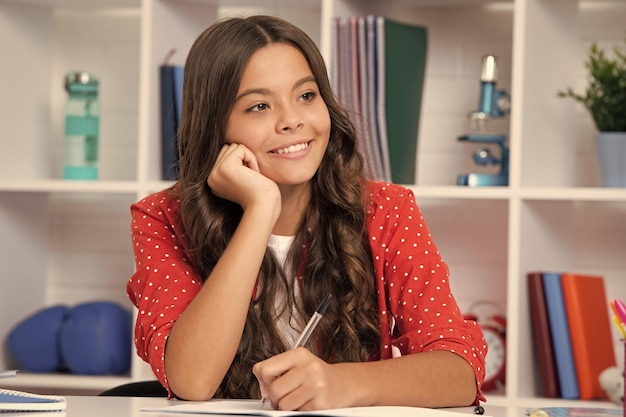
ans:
x=405 y=64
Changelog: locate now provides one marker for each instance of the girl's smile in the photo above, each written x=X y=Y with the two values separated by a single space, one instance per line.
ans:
x=293 y=151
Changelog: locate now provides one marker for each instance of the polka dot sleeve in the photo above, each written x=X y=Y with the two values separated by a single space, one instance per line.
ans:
x=418 y=310
x=164 y=282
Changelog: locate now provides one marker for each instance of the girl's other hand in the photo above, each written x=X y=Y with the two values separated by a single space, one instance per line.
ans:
x=299 y=380
x=236 y=177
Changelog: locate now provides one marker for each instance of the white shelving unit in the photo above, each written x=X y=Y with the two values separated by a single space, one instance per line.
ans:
x=68 y=242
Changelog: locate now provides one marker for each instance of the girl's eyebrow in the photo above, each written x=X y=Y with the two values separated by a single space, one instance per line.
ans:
x=267 y=91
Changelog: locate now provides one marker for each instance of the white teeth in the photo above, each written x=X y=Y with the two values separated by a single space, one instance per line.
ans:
x=293 y=148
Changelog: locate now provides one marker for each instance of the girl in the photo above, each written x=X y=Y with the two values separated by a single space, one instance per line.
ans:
x=271 y=213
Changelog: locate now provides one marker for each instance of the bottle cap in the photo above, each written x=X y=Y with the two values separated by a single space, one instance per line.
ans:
x=81 y=81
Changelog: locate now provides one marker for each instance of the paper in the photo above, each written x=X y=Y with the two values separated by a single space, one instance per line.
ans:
x=253 y=408
x=8 y=374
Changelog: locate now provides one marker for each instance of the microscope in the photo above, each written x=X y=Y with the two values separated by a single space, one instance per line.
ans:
x=493 y=104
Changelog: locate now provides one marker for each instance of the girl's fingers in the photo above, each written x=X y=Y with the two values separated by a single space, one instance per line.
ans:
x=283 y=378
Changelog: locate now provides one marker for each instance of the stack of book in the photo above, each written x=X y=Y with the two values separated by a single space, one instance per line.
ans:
x=571 y=333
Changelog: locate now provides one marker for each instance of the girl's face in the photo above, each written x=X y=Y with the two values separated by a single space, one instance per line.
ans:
x=280 y=115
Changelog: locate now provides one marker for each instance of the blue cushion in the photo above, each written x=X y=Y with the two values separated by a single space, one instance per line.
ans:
x=33 y=342
x=96 y=339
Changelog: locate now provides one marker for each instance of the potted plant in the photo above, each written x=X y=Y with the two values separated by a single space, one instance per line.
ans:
x=605 y=98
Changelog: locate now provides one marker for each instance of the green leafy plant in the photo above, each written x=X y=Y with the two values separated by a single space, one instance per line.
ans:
x=605 y=96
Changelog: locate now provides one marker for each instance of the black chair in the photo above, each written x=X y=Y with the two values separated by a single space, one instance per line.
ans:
x=137 y=389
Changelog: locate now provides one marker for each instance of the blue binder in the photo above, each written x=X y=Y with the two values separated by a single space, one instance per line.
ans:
x=563 y=355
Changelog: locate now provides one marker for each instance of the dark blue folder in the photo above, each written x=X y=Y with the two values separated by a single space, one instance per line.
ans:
x=171 y=105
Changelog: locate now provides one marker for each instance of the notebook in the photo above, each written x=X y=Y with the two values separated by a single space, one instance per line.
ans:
x=559 y=330
x=586 y=306
x=24 y=401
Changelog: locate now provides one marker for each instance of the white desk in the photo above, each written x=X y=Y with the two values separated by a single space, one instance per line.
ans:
x=86 y=406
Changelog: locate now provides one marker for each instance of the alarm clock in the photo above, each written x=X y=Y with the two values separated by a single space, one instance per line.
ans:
x=494 y=331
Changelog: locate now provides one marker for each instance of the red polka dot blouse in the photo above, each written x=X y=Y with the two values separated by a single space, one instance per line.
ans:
x=417 y=309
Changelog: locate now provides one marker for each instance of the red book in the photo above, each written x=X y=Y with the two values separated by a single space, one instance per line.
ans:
x=587 y=310
x=542 y=339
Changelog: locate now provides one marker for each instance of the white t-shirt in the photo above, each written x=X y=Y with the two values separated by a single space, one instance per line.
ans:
x=287 y=325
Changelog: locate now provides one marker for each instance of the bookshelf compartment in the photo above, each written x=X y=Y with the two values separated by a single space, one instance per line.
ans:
x=471 y=236
x=66 y=248
x=49 y=39
x=452 y=77
x=106 y=43
x=584 y=237
x=557 y=134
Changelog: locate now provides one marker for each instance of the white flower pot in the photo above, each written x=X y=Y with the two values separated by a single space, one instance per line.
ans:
x=611 y=148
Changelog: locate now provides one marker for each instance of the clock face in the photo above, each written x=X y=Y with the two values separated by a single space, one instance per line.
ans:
x=494 y=361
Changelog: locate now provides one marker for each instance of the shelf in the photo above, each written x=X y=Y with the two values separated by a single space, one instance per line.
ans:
x=537 y=402
x=573 y=193
x=444 y=192
x=427 y=3
x=460 y=192
x=523 y=193
x=62 y=186
x=255 y=4
x=82 y=4
x=67 y=381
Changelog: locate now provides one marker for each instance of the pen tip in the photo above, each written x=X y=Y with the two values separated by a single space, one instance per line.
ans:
x=324 y=304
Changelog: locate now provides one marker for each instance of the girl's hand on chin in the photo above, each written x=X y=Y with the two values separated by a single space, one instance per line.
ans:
x=236 y=177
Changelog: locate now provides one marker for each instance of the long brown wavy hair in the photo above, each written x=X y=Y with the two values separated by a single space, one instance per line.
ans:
x=336 y=258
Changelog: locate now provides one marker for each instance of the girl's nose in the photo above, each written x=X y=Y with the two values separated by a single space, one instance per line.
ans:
x=290 y=120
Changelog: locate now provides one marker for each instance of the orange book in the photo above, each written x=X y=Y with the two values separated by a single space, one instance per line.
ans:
x=587 y=307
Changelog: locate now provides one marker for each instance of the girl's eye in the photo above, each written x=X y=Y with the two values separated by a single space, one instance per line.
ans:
x=258 y=107
x=308 y=96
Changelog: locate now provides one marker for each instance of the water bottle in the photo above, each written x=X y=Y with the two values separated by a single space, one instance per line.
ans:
x=82 y=126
